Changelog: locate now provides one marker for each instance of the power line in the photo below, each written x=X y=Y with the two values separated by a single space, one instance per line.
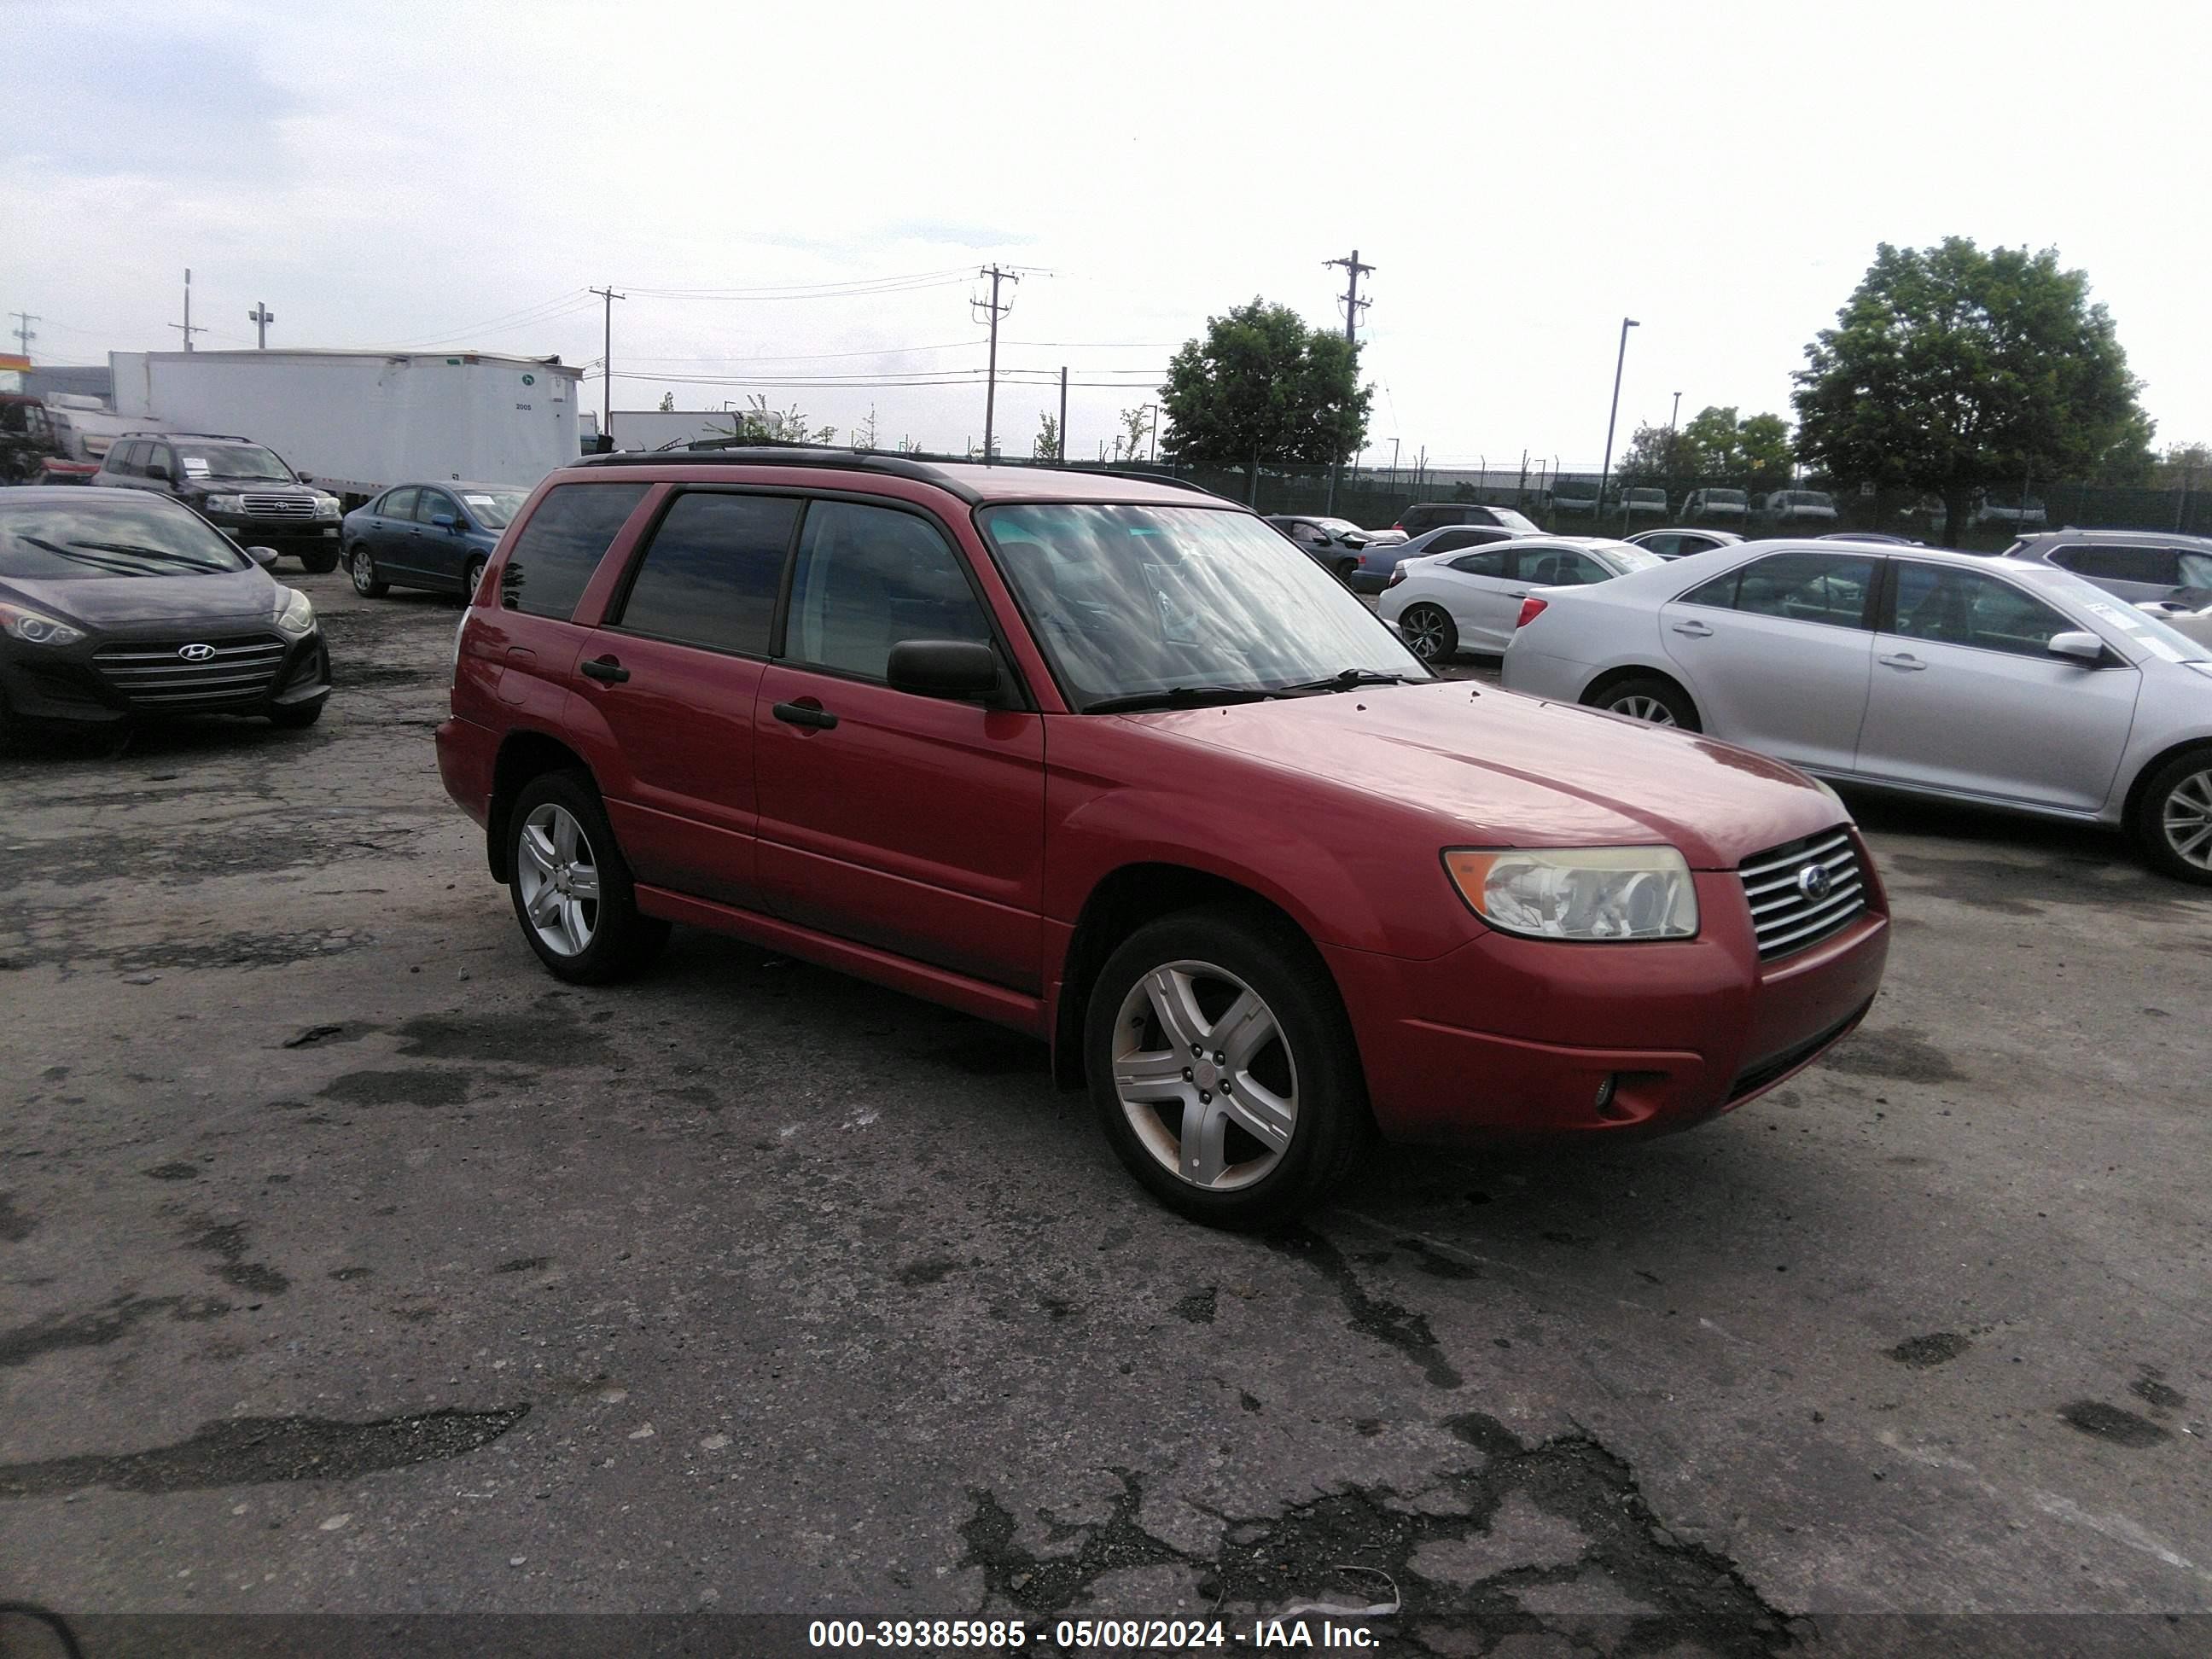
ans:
x=1353 y=306
x=995 y=311
x=954 y=274
x=23 y=332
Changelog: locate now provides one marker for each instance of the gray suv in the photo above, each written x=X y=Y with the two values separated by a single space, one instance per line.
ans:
x=2135 y=564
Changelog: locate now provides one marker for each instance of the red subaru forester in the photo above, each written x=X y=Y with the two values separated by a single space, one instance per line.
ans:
x=1105 y=759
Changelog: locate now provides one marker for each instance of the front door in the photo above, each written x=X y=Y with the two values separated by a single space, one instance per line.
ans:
x=1967 y=696
x=914 y=825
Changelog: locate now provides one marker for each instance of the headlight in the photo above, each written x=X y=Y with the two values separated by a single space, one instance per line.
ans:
x=326 y=506
x=33 y=629
x=298 y=617
x=222 y=503
x=1579 y=892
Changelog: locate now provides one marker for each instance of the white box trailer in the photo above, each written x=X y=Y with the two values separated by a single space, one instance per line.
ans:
x=359 y=421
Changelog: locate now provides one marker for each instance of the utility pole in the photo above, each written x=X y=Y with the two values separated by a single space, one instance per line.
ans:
x=991 y=381
x=187 y=324
x=1353 y=304
x=1604 y=467
x=1062 y=457
x=261 y=317
x=24 y=335
x=607 y=387
x=1677 y=414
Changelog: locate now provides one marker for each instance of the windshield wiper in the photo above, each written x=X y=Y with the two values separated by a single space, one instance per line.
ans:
x=160 y=555
x=1347 y=679
x=113 y=567
x=1178 y=696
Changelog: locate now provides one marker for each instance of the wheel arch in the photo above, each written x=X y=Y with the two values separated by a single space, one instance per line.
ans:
x=523 y=755
x=1620 y=676
x=2138 y=785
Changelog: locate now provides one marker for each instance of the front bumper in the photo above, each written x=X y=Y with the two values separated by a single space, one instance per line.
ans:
x=286 y=535
x=140 y=674
x=1508 y=1038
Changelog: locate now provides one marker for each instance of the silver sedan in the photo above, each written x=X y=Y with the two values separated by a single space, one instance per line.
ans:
x=1447 y=602
x=2003 y=683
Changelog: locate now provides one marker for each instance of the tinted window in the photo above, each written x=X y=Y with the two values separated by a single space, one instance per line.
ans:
x=400 y=504
x=1965 y=607
x=869 y=577
x=562 y=545
x=1815 y=587
x=709 y=576
x=1666 y=547
x=1452 y=540
x=1491 y=561
x=2156 y=565
x=1561 y=568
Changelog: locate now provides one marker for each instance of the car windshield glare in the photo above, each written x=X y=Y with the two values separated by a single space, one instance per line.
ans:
x=1126 y=600
x=53 y=543
x=248 y=462
x=1512 y=520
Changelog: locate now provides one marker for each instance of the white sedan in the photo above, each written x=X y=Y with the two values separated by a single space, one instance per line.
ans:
x=1471 y=600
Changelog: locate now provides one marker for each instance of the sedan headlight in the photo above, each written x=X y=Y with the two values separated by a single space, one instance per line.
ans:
x=1578 y=893
x=33 y=629
x=298 y=617
x=326 y=506
x=222 y=503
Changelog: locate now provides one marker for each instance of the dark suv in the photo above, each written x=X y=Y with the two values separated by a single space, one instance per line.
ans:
x=242 y=488
x=1107 y=760
x=1424 y=516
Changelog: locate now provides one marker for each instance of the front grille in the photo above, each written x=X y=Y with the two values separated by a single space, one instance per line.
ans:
x=280 y=507
x=1787 y=917
x=150 y=674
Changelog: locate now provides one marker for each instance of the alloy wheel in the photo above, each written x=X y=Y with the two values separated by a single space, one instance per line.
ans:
x=2187 y=819
x=363 y=569
x=1424 y=628
x=558 y=878
x=1645 y=708
x=1205 y=1076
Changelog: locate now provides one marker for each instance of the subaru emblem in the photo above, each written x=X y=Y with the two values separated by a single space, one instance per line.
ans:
x=1814 y=882
x=196 y=652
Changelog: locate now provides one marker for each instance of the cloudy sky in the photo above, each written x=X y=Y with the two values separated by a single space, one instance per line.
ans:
x=796 y=199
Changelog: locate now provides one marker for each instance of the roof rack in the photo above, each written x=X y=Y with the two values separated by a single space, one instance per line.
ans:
x=844 y=460
x=227 y=437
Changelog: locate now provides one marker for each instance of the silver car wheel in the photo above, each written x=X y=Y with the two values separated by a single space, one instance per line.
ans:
x=363 y=569
x=1643 y=709
x=2188 y=819
x=1204 y=1075
x=1424 y=630
x=559 y=880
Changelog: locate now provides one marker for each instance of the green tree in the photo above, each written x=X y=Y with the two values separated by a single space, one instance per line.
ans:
x=864 y=434
x=1951 y=370
x=1047 y=447
x=1657 y=451
x=1134 y=428
x=1264 y=386
x=1754 y=453
x=667 y=402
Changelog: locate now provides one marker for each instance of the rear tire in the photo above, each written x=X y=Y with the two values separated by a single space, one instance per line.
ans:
x=1248 y=1136
x=1650 y=699
x=2172 y=825
x=320 y=562
x=361 y=565
x=558 y=843
x=1430 y=630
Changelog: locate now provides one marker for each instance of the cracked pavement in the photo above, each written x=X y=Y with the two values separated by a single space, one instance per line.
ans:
x=351 y=1264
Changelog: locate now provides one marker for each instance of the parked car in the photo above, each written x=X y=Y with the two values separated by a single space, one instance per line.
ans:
x=1574 y=495
x=1335 y=544
x=116 y=607
x=1378 y=564
x=1450 y=602
x=1679 y=543
x=1143 y=785
x=438 y=535
x=242 y=488
x=2001 y=683
x=2187 y=611
x=1644 y=502
x=2135 y=564
x=1731 y=505
x=2027 y=514
x=1424 y=516
x=1785 y=508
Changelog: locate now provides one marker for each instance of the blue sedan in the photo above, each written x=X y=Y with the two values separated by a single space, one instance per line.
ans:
x=438 y=535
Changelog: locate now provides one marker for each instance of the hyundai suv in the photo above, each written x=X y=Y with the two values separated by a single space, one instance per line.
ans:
x=240 y=487
x=1108 y=761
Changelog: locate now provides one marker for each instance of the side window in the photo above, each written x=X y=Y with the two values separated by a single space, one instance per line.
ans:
x=869 y=577
x=1490 y=561
x=1665 y=546
x=2157 y=566
x=400 y=504
x=431 y=502
x=1452 y=540
x=1580 y=570
x=1952 y=606
x=1308 y=535
x=161 y=455
x=2196 y=569
x=1813 y=587
x=710 y=573
x=125 y=462
x=552 y=562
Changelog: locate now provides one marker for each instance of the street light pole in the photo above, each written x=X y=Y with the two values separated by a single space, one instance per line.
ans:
x=1677 y=414
x=1619 y=359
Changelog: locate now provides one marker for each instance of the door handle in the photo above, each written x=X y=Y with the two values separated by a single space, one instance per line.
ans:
x=606 y=669
x=1516 y=593
x=1904 y=659
x=800 y=714
x=1695 y=630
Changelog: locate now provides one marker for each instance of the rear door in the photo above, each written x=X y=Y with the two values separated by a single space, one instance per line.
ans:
x=688 y=634
x=1777 y=654
x=391 y=530
x=1478 y=588
x=914 y=825
x=531 y=637
x=1967 y=696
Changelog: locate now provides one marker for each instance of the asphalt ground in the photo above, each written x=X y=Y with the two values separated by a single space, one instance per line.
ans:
x=351 y=1265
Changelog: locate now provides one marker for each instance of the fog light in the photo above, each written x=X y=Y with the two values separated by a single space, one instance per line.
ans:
x=1605 y=1090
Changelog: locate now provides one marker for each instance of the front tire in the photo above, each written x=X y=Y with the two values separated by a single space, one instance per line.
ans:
x=572 y=890
x=1430 y=630
x=1223 y=1069
x=1650 y=699
x=472 y=579
x=2172 y=821
x=361 y=565
x=320 y=561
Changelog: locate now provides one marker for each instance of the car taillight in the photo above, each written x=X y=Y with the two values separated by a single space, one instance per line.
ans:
x=1398 y=527
x=1531 y=608
x=1397 y=576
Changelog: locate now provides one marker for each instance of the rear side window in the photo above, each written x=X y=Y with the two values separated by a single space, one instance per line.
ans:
x=869 y=577
x=1815 y=588
x=709 y=576
x=552 y=561
x=2159 y=567
x=1491 y=561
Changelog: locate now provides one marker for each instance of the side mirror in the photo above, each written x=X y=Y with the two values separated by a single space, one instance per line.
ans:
x=159 y=471
x=2082 y=647
x=305 y=477
x=263 y=556
x=444 y=521
x=965 y=671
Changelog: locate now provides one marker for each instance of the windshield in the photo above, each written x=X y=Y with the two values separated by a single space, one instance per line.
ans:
x=1512 y=520
x=1338 y=526
x=494 y=509
x=1725 y=497
x=1625 y=556
x=2143 y=628
x=1125 y=601
x=134 y=539
x=250 y=462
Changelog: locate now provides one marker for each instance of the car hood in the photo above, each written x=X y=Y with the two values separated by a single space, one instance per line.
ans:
x=125 y=601
x=1509 y=770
